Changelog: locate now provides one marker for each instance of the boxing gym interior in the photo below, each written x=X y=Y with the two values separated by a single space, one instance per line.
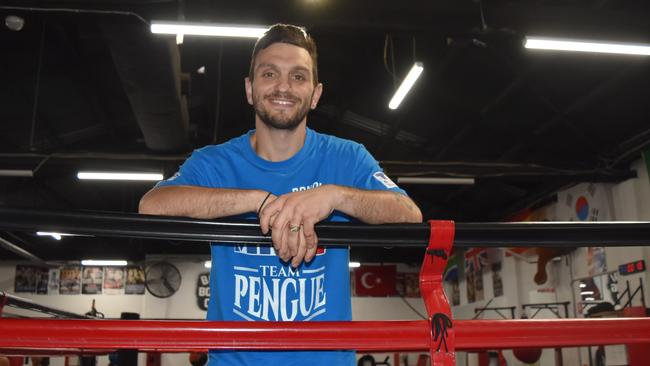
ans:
x=523 y=136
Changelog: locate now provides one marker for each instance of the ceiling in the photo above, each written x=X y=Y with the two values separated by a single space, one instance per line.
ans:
x=85 y=85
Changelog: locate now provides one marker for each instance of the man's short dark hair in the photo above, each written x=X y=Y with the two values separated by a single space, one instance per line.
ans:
x=286 y=33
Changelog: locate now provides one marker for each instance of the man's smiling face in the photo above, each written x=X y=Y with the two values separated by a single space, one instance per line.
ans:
x=283 y=91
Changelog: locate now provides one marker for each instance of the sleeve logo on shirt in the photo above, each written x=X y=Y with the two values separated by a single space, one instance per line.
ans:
x=383 y=179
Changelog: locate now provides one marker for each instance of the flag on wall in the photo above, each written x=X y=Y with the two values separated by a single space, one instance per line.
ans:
x=475 y=259
x=375 y=280
x=451 y=271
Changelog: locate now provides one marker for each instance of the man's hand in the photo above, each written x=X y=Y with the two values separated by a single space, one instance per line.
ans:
x=292 y=217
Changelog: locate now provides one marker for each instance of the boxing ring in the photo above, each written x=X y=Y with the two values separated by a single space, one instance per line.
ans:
x=439 y=335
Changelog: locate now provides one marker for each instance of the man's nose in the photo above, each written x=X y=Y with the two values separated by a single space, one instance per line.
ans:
x=284 y=83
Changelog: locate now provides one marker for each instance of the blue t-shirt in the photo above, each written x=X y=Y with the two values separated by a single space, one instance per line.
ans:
x=249 y=282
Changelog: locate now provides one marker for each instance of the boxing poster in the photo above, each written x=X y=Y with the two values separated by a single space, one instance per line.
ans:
x=474 y=281
x=478 y=286
x=497 y=282
x=469 y=284
x=455 y=293
x=25 y=279
x=408 y=284
x=42 y=279
x=113 y=280
x=70 y=280
x=134 y=281
x=92 y=280
x=53 y=281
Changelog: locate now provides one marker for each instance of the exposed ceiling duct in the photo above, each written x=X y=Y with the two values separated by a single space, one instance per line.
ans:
x=149 y=67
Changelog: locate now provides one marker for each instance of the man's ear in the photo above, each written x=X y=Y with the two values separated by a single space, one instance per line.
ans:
x=249 y=90
x=315 y=95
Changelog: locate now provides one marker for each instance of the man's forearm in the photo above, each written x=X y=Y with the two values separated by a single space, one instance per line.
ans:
x=377 y=207
x=200 y=202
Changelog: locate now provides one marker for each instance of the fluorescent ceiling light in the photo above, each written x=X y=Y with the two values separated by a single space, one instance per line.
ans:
x=16 y=173
x=354 y=264
x=207 y=29
x=583 y=285
x=100 y=262
x=586 y=293
x=207 y=264
x=434 y=180
x=54 y=235
x=406 y=85
x=589 y=299
x=586 y=46
x=119 y=176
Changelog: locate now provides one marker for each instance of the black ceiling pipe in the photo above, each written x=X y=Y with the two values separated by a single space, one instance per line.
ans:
x=149 y=68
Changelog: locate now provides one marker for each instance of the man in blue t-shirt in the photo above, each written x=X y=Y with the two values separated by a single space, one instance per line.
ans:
x=291 y=177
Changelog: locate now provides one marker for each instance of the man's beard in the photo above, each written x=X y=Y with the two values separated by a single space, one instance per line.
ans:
x=281 y=121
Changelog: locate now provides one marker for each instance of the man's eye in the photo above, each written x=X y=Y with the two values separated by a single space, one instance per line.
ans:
x=299 y=77
x=267 y=74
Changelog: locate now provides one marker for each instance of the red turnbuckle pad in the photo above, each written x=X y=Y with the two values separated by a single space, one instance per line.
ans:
x=441 y=239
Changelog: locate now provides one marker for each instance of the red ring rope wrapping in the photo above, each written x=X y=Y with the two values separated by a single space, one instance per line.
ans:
x=177 y=336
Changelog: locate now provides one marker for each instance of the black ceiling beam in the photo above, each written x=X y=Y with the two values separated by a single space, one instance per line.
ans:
x=580 y=103
x=534 y=89
x=505 y=94
x=484 y=170
x=446 y=17
x=149 y=67
x=502 y=171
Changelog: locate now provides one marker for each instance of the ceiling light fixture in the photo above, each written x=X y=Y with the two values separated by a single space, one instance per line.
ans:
x=406 y=85
x=27 y=173
x=207 y=29
x=207 y=264
x=54 y=235
x=435 y=180
x=14 y=22
x=558 y=44
x=119 y=176
x=104 y=262
x=354 y=264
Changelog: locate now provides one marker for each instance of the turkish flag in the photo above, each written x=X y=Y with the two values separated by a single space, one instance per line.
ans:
x=375 y=280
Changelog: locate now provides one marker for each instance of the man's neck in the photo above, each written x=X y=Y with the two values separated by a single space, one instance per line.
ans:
x=277 y=145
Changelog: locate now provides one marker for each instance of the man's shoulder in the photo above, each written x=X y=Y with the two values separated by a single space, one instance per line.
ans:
x=335 y=143
x=232 y=146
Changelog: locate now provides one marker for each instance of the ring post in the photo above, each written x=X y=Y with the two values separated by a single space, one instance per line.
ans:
x=441 y=239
